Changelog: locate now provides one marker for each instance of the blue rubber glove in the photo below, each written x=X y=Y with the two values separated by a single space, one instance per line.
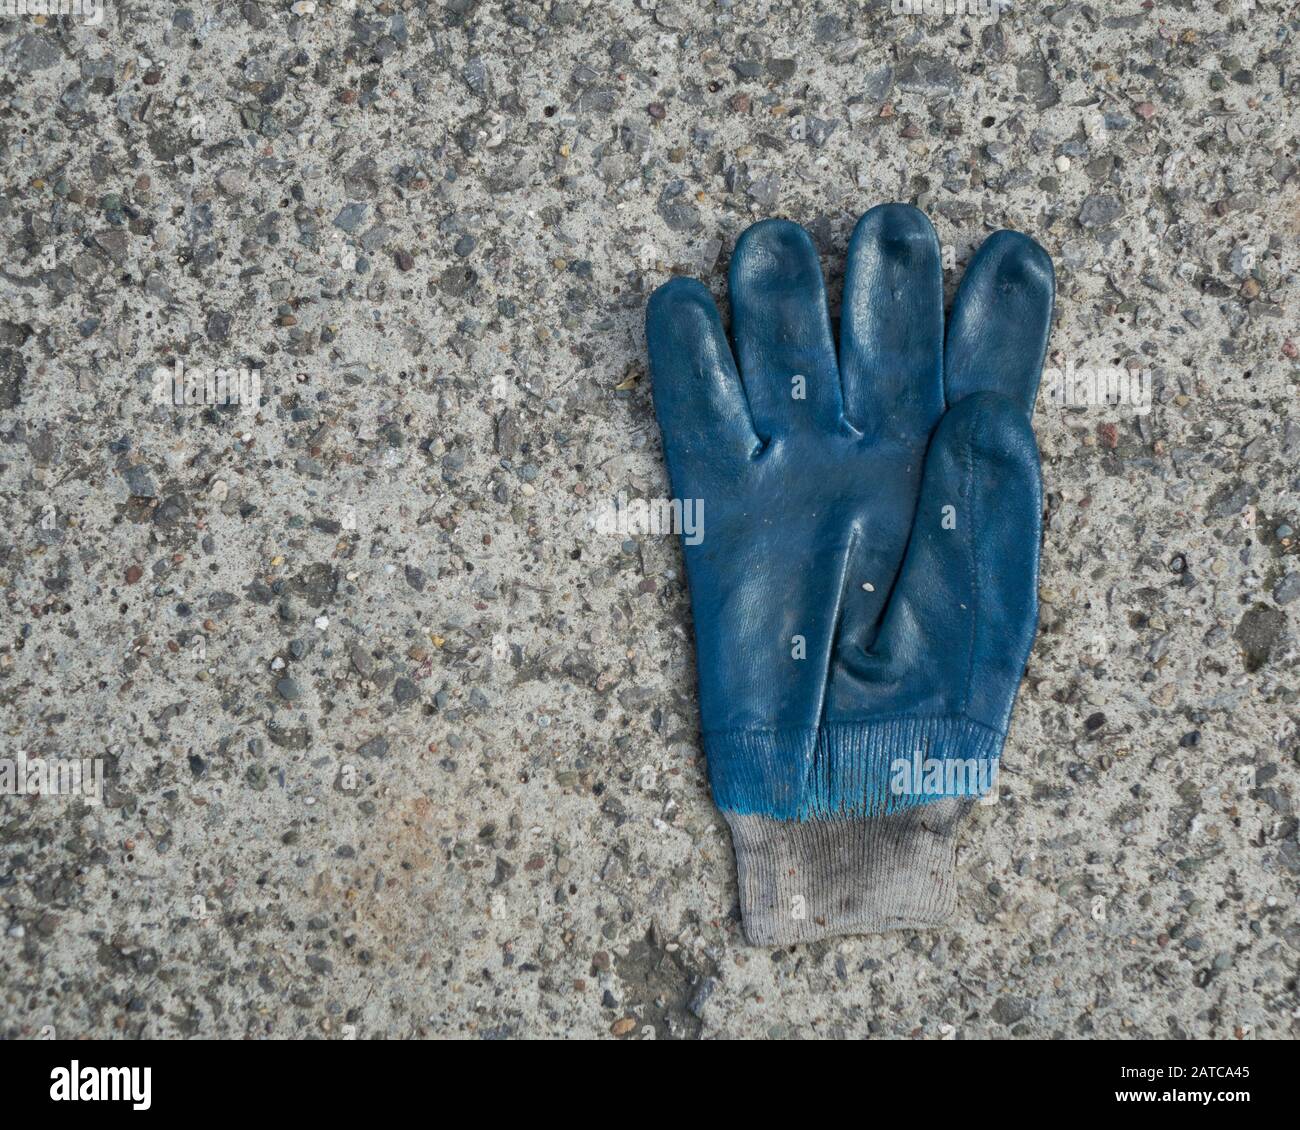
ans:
x=865 y=591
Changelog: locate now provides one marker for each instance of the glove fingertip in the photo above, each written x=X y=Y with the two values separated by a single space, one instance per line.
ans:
x=680 y=297
x=997 y=334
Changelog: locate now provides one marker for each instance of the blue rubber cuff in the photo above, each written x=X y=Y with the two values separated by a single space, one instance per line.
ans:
x=851 y=769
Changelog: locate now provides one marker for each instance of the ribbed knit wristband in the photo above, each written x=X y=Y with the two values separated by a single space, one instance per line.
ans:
x=849 y=828
x=800 y=881
x=845 y=769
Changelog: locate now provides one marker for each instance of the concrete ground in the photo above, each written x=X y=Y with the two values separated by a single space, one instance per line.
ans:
x=395 y=741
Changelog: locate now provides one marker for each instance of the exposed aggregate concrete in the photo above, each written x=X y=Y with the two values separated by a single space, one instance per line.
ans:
x=397 y=744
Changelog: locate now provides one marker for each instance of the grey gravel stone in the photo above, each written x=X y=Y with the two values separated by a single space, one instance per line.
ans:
x=1098 y=211
x=350 y=217
x=375 y=747
x=1010 y=1010
x=139 y=482
x=1288 y=588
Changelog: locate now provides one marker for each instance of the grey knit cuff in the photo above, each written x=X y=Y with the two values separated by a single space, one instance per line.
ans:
x=800 y=881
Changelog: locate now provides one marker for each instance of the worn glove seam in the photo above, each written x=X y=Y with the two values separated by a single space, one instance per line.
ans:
x=813 y=728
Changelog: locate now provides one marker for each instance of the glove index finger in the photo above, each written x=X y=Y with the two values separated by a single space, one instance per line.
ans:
x=891 y=324
x=698 y=397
